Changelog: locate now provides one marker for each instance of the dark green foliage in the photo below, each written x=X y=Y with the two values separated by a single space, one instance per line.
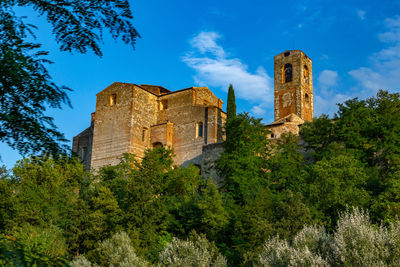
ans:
x=269 y=189
x=33 y=246
x=6 y=200
x=26 y=87
x=231 y=104
x=368 y=131
x=286 y=165
x=230 y=110
x=335 y=184
x=26 y=90
x=242 y=164
x=45 y=190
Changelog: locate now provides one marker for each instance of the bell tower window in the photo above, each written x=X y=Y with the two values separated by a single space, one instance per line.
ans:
x=307 y=100
x=306 y=75
x=287 y=73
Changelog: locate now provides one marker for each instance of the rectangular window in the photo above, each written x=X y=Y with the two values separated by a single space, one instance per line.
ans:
x=84 y=153
x=164 y=104
x=144 y=135
x=113 y=99
x=200 y=129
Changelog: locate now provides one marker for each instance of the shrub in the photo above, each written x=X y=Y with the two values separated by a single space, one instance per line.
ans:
x=115 y=251
x=355 y=242
x=196 y=252
x=278 y=252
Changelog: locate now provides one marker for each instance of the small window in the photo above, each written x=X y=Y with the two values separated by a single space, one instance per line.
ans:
x=113 y=99
x=84 y=153
x=157 y=144
x=272 y=135
x=305 y=74
x=199 y=129
x=307 y=100
x=164 y=104
x=144 y=135
x=287 y=73
x=287 y=54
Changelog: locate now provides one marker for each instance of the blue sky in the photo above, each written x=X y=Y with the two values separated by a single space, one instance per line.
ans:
x=354 y=45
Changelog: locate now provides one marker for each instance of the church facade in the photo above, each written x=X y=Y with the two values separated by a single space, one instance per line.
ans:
x=131 y=118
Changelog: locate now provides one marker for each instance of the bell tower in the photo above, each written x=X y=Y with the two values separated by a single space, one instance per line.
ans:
x=293 y=86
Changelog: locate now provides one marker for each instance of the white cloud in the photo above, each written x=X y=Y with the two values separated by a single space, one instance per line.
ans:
x=393 y=33
x=214 y=67
x=327 y=78
x=327 y=103
x=206 y=42
x=361 y=14
x=327 y=97
x=384 y=69
x=383 y=72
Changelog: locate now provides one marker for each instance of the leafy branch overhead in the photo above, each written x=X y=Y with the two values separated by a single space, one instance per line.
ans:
x=79 y=25
x=26 y=87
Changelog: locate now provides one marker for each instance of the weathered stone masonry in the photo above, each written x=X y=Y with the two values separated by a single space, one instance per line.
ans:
x=131 y=118
x=293 y=92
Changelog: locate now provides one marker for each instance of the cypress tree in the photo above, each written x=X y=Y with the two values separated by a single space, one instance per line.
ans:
x=231 y=105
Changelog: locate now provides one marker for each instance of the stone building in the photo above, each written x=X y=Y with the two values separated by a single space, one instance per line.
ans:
x=131 y=118
x=293 y=92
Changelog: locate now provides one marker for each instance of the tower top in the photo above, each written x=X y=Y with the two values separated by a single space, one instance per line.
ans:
x=292 y=52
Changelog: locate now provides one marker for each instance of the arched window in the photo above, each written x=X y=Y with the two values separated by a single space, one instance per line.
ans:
x=305 y=74
x=287 y=73
x=199 y=129
x=307 y=100
x=157 y=144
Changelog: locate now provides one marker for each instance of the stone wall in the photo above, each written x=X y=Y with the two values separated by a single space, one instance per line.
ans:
x=278 y=129
x=211 y=153
x=82 y=146
x=118 y=127
x=132 y=118
x=142 y=116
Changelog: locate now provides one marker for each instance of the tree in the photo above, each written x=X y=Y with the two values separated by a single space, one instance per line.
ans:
x=33 y=246
x=231 y=105
x=230 y=109
x=336 y=183
x=46 y=190
x=26 y=87
x=6 y=200
x=242 y=164
x=213 y=218
x=369 y=132
x=145 y=207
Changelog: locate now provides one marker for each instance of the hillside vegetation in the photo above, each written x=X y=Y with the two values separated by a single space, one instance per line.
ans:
x=329 y=197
